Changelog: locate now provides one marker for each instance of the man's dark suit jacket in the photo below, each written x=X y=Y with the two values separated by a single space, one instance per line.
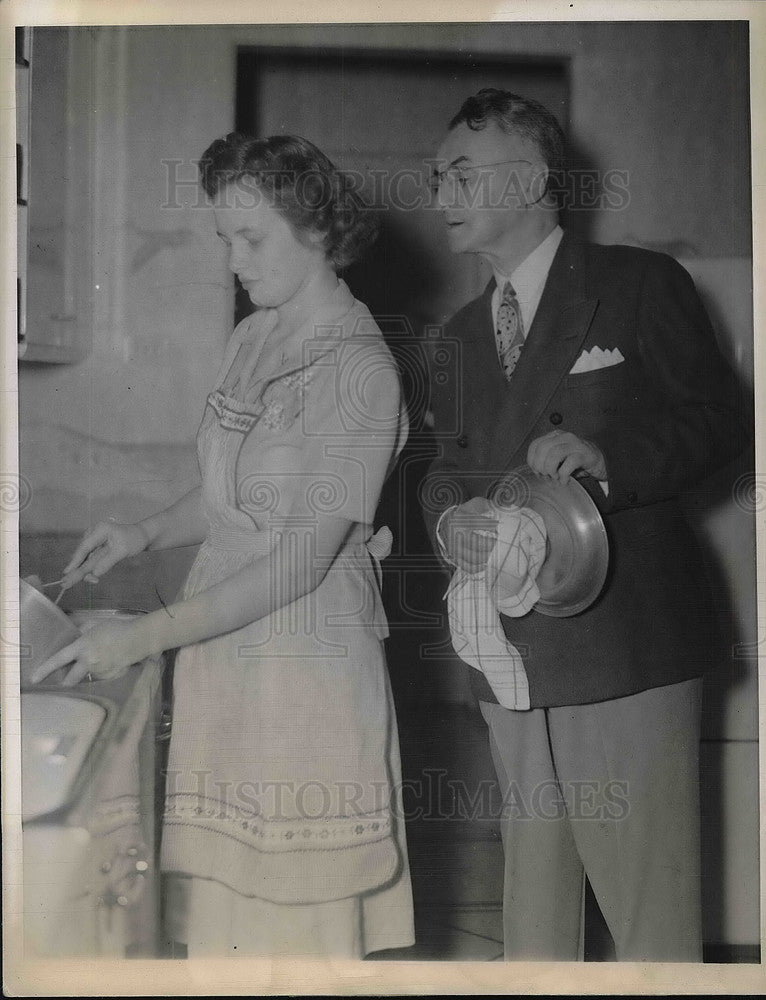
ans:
x=664 y=418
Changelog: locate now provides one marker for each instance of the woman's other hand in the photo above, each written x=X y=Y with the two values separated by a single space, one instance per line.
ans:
x=101 y=548
x=104 y=652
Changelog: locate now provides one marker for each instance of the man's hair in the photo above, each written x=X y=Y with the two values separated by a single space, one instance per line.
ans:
x=516 y=115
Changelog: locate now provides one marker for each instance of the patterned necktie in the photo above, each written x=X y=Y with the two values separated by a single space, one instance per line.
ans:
x=510 y=330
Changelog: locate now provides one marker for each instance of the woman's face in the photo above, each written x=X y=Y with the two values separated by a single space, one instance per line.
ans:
x=272 y=264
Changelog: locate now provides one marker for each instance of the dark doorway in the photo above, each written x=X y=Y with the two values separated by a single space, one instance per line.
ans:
x=382 y=115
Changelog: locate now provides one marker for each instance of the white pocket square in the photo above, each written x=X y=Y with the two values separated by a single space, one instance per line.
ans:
x=597 y=358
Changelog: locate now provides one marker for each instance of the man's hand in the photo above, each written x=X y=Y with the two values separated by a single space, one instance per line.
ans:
x=560 y=454
x=469 y=534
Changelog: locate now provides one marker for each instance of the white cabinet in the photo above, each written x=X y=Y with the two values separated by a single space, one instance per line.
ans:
x=54 y=120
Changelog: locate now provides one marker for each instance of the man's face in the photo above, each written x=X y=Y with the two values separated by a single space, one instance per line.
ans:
x=485 y=180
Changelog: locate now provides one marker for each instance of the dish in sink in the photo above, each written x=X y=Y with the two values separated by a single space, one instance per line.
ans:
x=58 y=733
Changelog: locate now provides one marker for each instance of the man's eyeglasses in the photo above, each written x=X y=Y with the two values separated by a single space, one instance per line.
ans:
x=460 y=175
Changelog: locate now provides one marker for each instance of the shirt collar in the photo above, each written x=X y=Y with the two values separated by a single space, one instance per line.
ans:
x=533 y=270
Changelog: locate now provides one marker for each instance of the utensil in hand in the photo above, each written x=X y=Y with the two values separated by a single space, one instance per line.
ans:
x=35 y=582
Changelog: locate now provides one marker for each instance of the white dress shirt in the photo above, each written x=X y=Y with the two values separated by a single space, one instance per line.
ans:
x=528 y=279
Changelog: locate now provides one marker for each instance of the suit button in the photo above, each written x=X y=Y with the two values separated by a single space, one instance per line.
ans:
x=632 y=498
x=555 y=419
x=462 y=441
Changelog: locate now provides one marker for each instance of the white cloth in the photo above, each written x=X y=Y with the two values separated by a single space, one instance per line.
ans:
x=507 y=584
x=596 y=358
x=528 y=279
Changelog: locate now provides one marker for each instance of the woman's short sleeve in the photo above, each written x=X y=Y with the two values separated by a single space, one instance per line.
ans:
x=353 y=426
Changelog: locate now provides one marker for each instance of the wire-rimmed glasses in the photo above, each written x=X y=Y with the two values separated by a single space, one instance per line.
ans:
x=459 y=174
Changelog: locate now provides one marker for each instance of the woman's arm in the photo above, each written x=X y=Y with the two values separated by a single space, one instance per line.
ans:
x=105 y=545
x=346 y=450
x=183 y=523
x=295 y=566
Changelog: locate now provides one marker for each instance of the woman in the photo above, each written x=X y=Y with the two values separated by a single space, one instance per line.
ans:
x=282 y=830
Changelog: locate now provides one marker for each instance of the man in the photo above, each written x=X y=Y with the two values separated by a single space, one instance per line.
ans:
x=614 y=692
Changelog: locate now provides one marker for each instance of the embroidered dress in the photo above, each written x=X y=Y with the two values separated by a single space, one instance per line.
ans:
x=283 y=823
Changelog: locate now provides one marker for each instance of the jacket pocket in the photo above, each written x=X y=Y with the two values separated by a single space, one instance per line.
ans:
x=599 y=376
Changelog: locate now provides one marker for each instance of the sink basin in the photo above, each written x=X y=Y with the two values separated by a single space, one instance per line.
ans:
x=59 y=731
x=67 y=733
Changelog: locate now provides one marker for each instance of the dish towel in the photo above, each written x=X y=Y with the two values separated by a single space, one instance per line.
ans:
x=507 y=584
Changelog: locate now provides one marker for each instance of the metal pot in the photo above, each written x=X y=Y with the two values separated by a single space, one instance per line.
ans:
x=44 y=629
x=577 y=549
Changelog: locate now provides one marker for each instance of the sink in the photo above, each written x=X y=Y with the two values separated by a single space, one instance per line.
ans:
x=66 y=733
x=88 y=772
x=59 y=732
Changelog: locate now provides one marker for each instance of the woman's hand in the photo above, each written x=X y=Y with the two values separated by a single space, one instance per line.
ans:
x=104 y=652
x=101 y=548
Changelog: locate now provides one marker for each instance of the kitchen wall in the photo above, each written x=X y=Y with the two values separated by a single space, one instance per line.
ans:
x=643 y=98
x=113 y=434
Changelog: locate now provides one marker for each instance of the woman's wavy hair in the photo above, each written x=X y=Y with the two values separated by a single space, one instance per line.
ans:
x=308 y=191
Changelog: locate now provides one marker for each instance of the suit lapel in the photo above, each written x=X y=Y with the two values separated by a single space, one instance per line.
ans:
x=552 y=345
x=475 y=325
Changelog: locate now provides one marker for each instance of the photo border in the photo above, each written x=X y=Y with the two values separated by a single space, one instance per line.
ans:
x=332 y=977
